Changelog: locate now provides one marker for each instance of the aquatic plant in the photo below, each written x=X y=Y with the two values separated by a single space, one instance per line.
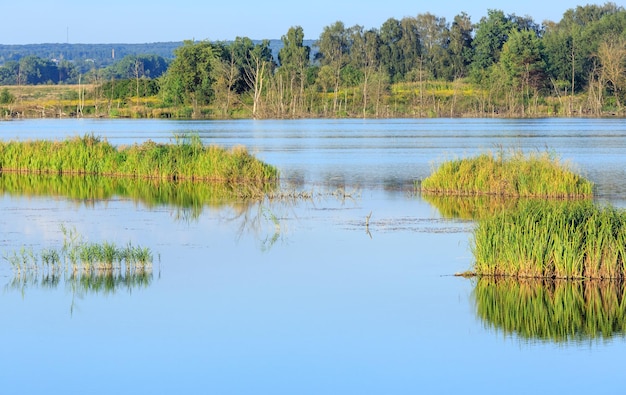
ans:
x=554 y=240
x=508 y=174
x=186 y=159
x=552 y=310
x=77 y=255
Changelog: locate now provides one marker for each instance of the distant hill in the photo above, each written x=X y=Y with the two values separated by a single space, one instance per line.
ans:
x=101 y=54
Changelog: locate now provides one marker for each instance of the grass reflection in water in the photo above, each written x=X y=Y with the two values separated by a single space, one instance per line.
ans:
x=552 y=310
x=187 y=197
x=471 y=207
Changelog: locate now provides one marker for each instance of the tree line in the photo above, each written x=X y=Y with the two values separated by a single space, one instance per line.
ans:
x=414 y=66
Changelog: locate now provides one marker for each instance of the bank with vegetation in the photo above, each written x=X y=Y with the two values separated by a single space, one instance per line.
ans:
x=416 y=66
x=187 y=159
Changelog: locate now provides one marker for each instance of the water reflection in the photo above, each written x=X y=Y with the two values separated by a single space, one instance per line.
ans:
x=81 y=283
x=555 y=311
x=187 y=198
x=470 y=207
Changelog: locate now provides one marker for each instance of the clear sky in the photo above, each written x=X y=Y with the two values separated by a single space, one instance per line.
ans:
x=142 y=21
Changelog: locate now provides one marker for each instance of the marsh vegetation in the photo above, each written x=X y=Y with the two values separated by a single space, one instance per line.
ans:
x=185 y=159
x=511 y=173
x=566 y=240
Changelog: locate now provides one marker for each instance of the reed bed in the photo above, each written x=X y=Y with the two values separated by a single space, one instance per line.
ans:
x=186 y=159
x=566 y=240
x=552 y=310
x=508 y=174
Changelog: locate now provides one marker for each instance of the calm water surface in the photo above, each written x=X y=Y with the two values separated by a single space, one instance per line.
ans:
x=296 y=297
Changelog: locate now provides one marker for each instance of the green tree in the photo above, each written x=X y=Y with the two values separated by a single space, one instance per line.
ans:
x=522 y=64
x=6 y=97
x=573 y=43
x=460 y=46
x=365 y=56
x=294 y=59
x=491 y=33
x=400 y=47
x=334 y=47
x=34 y=70
x=190 y=77
x=9 y=73
x=256 y=64
x=152 y=66
x=434 y=36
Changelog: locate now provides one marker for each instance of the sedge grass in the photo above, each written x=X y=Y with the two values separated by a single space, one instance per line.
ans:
x=547 y=239
x=513 y=174
x=552 y=310
x=186 y=159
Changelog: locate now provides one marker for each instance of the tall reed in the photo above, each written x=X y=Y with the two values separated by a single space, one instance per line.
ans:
x=186 y=159
x=508 y=174
x=552 y=239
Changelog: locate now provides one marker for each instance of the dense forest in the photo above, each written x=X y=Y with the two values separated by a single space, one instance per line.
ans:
x=502 y=65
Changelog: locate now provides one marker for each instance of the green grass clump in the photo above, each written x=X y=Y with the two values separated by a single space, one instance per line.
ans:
x=79 y=256
x=516 y=174
x=552 y=239
x=186 y=159
x=552 y=310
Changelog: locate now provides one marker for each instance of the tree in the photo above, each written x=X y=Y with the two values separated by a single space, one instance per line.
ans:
x=460 y=46
x=152 y=66
x=434 y=36
x=612 y=56
x=9 y=73
x=191 y=76
x=491 y=33
x=522 y=64
x=365 y=56
x=294 y=59
x=334 y=48
x=400 y=47
x=227 y=74
x=255 y=63
x=572 y=42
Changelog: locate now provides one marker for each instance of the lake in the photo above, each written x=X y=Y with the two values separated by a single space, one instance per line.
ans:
x=306 y=296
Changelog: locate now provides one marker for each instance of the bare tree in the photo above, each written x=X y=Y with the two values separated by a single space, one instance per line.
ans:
x=612 y=56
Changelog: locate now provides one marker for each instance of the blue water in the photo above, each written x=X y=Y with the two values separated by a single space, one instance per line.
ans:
x=295 y=297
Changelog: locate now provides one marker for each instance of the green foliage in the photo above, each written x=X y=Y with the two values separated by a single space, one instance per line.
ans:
x=190 y=77
x=124 y=89
x=6 y=97
x=491 y=33
x=136 y=66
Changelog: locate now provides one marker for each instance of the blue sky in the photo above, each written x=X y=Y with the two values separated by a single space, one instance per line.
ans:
x=141 y=21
